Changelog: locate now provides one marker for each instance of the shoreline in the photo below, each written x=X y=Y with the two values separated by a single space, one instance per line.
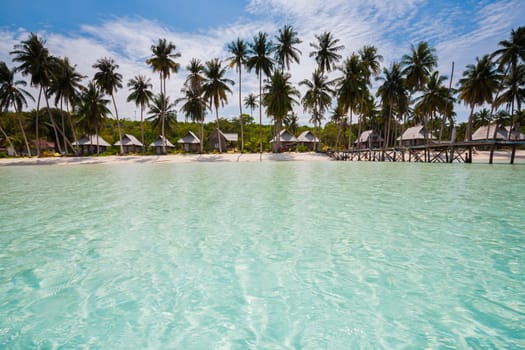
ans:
x=479 y=157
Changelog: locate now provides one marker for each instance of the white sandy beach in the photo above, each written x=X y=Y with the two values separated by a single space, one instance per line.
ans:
x=500 y=157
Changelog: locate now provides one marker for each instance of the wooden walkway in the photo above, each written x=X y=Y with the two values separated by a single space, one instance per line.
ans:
x=460 y=152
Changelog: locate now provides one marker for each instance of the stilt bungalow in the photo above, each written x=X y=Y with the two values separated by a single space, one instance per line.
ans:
x=88 y=144
x=486 y=133
x=228 y=141
x=415 y=136
x=190 y=143
x=157 y=145
x=130 y=144
x=369 y=139
x=288 y=141
x=308 y=140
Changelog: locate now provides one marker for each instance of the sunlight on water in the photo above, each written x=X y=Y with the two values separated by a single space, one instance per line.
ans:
x=267 y=256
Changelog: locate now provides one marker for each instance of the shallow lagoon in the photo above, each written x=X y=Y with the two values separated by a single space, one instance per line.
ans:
x=271 y=255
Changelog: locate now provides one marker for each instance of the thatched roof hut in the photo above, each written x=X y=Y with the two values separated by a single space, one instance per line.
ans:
x=228 y=140
x=157 y=144
x=369 y=139
x=130 y=144
x=88 y=144
x=190 y=142
x=415 y=136
x=486 y=132
x=288 y=141
x=308 y=140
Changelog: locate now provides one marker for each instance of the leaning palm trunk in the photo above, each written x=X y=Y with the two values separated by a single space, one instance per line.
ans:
x=469 y=124
x=63 y=123
x=19 y=117
x=55 y=129
x=8 y=141
x=37 y=137
x=72 y=128
x=118 y=125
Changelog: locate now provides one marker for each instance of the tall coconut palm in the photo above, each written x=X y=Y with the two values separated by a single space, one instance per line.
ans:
x=394 y=96
x=434 y=99
x=216 y=88
x=195 y=77
x=140 y=88
x=12 y=93
x=109 y=81
x=279 y=100
x=513 y=93
x=92 y=109
x=317 y=99
x=163 y=61
x=284 y=49
x=261 y=61
x=238 y=59
x=194 y=107
x=162 y=113
x=250 y=102
x=35 y=61
x=325 y=52
x=351 y=88
x=371 y=63
x=66 y=86
x=418 y=65
x=477 y=86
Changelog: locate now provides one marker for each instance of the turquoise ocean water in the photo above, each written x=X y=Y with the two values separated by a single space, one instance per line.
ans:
x=290 y=255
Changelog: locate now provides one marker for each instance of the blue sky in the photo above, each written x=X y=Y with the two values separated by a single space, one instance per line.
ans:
x=87 y=30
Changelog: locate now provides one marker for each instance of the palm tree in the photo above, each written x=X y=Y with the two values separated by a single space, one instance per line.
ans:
x=261 y=61
x=291 y=122
x=194 y=107
x=92 y=109
x=351 y=88
x=514 y=85
x=477 y=86
x=239 y=51
x=66 y=87
x=195 y=78
x=35 y=61
x=325 y=52
x=162 y=113
x=317 y=98
x=216 y=88
x=279 y=100
x=371 y=63
x=418 y=65
x=434 y=99
x=13 y=94
x=250 y=102
x=108 y=80
x=284 y=49
x=163 y=61
x=394 y=96
x=140 y=87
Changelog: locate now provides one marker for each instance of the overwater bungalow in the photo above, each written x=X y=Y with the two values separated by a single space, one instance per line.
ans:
x=308 y=140
x=158 y=143
x=130 y=144
x=415 y=136
x=88 y=144
x=190 y=143
x=486 y=133
x=288 y=141
x=369 y=139
x=228 y=140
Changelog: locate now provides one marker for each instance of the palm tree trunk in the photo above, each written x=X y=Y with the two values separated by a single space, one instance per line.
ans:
x=53 y=124
x=260 y=116
x=469 y=124
x=240 y=110
x=72 y=128
x=202 y=135
x=350 y=133
x=63 y=123
x=37 y=137
x=96 y=134
x=8 y=141
x=162 y=113
x=118 y=124
x=317 y=144
x=219 y=139
x=142 y=127
x=19 y=117
x=278 y=135
x=446 y=105
x=338 y=126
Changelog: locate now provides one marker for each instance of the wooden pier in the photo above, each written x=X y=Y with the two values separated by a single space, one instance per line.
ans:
x=460 y=152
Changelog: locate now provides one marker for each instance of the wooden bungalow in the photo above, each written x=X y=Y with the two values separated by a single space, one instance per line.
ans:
x=288 y=141
x=486 y=133
x=415 y=136
x=228 y=141
x=88 y=144
x=190 y=143
x=158 y=143
x=369 y=139
x=308 y=140
x=130 y=144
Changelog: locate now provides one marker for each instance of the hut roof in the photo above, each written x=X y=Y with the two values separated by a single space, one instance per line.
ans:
x=190 y=137
x=285 y=136
x=128 y=140
x=159 y=141
x=415 y=133
x=307 y=136
x=365 y=135
x=229 y=137
x=502 y=133
x=91 y=140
